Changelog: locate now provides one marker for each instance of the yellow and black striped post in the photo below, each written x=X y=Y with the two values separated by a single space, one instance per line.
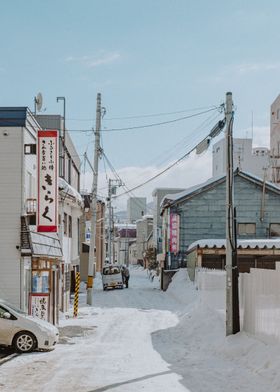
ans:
x=76 y=300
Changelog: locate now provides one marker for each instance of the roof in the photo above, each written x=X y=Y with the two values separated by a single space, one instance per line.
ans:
x=211 y=243
x=171 y=199
x=69 y=190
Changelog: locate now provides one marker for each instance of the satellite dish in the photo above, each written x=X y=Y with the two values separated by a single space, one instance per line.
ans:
x=38 y=102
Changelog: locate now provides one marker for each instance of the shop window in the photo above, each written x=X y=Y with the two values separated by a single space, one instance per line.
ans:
x=70 y=226
x=246 y=228
x=65 y=223
x=274 y=230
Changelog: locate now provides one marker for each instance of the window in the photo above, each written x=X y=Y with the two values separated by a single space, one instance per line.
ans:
x=274 y=230
x=246 y=228
x=65 y=223
x=30 y=149
x=70 y=226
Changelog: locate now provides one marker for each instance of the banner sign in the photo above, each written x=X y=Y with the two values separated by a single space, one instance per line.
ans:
x=47 y=181
x=174 y=232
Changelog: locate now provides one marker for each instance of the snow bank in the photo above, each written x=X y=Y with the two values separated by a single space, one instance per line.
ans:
x=207 y=360
x=182 y=288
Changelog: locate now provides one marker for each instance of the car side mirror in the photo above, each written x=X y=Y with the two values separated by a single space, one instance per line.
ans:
x=6 y=315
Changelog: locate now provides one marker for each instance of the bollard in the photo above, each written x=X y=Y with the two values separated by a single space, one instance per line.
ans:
x=76 y=300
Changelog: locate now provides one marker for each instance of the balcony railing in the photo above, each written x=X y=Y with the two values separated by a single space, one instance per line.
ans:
x=31 y=206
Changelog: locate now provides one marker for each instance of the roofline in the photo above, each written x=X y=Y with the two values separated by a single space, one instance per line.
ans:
x=220 y=180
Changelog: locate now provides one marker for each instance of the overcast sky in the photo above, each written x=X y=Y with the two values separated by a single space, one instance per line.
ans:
x=145 y=57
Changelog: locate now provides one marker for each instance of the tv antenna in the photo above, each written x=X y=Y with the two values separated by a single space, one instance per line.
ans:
x=38 y=102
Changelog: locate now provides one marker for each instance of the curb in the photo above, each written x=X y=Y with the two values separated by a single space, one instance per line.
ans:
x=8 y=358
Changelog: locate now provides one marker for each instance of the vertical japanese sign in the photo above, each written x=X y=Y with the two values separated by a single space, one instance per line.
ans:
x=174 y=232
x=47 y=181
x=39 y=306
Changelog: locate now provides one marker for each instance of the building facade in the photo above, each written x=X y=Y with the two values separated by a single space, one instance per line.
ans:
x=136 y=208
x=85 y=235
x=158 y=195
x=30 y=262
x=202 y=212
x=144 y=227
x=70 y=206
x=245 y=158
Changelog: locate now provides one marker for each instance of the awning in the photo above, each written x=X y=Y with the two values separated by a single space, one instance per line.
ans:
x=45 y=244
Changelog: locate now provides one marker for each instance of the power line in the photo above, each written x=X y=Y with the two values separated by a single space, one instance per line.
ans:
x=166 y=169
x=159 y=123
x=122 y=182
x=145 y=115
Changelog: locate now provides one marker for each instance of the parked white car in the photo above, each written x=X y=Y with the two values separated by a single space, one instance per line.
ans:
x=112 y=277
x=23 y=332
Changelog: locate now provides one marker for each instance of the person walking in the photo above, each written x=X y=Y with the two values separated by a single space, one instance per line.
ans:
x=126 y=276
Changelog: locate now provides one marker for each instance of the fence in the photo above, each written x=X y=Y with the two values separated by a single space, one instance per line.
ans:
x=259 y=298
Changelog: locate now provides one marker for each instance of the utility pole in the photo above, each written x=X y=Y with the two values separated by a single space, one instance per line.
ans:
x=111 y=191
x=232 y=303
x=110 y=221
x=92 y=253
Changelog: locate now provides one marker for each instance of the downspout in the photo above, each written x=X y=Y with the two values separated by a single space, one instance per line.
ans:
x=263 y=196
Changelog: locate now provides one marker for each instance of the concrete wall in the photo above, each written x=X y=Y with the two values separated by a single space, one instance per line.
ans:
x=245 y=157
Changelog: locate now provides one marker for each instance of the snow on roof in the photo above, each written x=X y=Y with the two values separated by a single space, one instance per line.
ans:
x=241 y=244
x=69 y=190
x=176 y=196
x=45 y=244
x=125 y=225
x=188 y=191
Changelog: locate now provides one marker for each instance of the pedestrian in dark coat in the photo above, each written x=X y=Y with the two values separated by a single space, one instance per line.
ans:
x=126 y=276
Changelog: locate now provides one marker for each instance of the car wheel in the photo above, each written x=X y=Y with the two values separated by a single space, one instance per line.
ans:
x=24 y=342
x=104 y=288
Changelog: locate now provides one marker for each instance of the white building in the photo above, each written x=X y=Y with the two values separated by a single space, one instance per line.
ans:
x=136 y=208
x=144 y=228
x=126 y=234
x=245 y=157
x=29 y=261
x=70 y=206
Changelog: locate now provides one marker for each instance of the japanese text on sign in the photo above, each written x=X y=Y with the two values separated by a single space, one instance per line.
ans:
x=47 y=181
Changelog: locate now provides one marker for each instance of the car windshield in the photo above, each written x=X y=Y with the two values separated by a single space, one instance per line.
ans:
x=111 y=270
x=13 y=307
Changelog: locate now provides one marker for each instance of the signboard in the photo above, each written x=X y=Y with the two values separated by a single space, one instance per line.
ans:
x=174 y=232
x=47 y=181
x=39 y=306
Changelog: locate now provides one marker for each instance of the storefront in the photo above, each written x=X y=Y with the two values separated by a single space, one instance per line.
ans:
x=45 y=276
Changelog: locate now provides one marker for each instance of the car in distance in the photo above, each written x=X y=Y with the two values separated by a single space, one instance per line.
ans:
x=23 y=332
x=112 y=277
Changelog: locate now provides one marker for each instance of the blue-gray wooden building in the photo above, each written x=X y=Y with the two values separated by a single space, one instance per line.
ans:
x=202 y=211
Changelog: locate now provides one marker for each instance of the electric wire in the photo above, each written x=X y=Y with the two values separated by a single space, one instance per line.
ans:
x=122 y=182
x=145 y=115
x=164 y=170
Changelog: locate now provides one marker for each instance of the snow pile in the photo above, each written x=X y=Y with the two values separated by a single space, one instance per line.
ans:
x=198 y=350
x=182 y=288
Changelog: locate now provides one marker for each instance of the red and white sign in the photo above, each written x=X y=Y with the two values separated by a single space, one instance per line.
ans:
x=47 y=181
x=174 y=232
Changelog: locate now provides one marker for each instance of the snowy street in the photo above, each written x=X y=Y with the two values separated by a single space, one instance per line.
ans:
x=141 y=339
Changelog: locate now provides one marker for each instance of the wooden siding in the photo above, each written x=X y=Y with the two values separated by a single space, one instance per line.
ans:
x=203 y=216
